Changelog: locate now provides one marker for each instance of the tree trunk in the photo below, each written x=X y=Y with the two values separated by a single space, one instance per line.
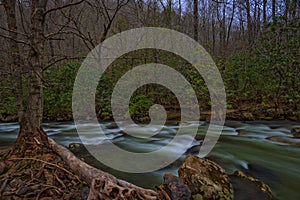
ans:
x=249 y=23
x=273 y=10
x=265 y=12
x=16 y=69
x=196 y=20
x=287 y=10
x=36 y=62
x=31 y=133
x=295 y=8
x=223 y=30
x=179 y=10
x=213 y=29
x=230 y=23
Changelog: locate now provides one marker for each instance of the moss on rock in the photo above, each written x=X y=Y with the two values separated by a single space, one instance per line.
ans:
x=205 y=178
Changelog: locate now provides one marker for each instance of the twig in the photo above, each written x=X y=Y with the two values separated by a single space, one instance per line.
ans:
x=38 y=142
x=15 y=40
x=3 y=186
x=47 y=188
x=12 y=31
x=60 y=181
x=61 y=59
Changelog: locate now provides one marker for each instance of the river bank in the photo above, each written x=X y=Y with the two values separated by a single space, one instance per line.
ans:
x=238 y=114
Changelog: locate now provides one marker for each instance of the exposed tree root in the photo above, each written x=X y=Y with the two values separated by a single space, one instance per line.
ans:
x=40 y=176
x=102 y=185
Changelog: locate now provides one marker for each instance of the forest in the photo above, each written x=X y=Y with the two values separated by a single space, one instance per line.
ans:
x=255 y=45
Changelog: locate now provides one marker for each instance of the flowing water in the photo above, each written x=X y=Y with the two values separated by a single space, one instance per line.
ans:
x=264 y=149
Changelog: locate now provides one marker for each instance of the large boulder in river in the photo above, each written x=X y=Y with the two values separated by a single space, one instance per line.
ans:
x=296 y=132
x=205 y=178
x=249 y=188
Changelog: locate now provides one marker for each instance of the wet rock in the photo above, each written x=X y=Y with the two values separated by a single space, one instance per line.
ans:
x=285 y=140
x=75 y=145
x=248 y=188
x=194 y=149
x=112 y=125
x=241 y=131
x=206 y=178
x=296 y=132
x=78 y=149
x=172 y=123
x=176 y=188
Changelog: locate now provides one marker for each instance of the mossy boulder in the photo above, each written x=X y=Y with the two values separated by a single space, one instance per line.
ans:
x=205 y=178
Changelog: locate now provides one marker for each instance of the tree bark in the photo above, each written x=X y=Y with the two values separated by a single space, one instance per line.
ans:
x=36 y=61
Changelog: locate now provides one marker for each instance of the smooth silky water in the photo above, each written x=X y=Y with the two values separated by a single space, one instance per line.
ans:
x=264 y=149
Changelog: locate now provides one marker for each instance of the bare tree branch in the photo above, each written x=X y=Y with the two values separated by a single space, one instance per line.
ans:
x=61 y=59
x=63 y=7
x=15 y=40
x=12 y=31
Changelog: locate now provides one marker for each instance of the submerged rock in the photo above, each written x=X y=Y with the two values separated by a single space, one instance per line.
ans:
x=112 y=125
x=205 y=178
x=285 y=140
x=296 y=132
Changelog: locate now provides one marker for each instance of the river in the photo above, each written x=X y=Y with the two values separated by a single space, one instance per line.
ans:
x=264 y=149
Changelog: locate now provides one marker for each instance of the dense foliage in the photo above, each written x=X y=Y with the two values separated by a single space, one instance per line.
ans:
x=266 y=76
